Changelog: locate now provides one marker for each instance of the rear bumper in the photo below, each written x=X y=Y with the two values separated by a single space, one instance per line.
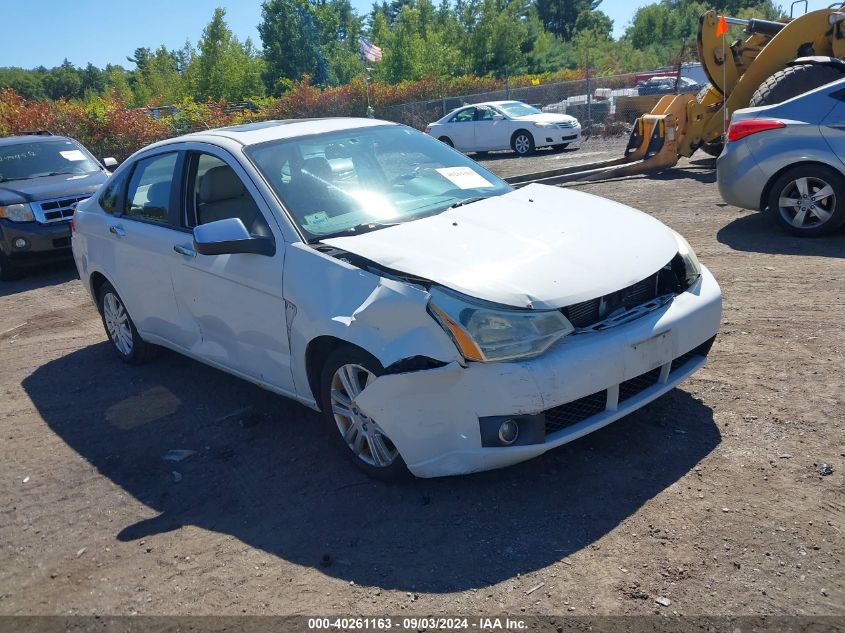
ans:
x=741 y=180
x=42 y=241
x=432 y=416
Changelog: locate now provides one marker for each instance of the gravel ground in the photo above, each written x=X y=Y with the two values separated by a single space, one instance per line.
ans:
x=708 y=501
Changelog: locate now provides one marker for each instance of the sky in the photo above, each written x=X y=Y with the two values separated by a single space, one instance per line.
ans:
x=45 y=32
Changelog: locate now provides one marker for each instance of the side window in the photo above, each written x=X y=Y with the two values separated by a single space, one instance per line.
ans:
x=218 y=193
x=148 y=196
x=485 y=114
x=112 y=193
x=464 y=116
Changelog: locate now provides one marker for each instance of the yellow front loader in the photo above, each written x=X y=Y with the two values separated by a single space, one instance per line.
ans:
x=776 y=61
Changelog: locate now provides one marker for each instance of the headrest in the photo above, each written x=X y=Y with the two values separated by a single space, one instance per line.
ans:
x=158 y=194
x=318 y=167
x=220 y=183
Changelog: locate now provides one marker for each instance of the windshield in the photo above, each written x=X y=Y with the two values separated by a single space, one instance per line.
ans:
x=518 y=109
x=24 y=160
x=357 y=180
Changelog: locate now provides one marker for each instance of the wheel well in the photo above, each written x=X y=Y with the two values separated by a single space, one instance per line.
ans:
x=97 y=281
x=316 y=354
x=522 y=129
x=764 y=195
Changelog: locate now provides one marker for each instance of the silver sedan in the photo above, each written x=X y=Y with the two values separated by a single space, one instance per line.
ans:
x=787 y=159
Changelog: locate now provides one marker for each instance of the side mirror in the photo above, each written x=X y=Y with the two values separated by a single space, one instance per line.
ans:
x=498 y=117
x=109 y=163
x=229 y=236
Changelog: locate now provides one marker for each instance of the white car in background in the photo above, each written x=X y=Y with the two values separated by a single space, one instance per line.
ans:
x=441 y=321
x=495 y=125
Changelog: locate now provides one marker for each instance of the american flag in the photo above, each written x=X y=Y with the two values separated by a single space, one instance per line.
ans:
x=369 y=51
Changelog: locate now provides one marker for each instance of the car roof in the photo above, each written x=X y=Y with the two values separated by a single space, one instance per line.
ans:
x=31 y=138
x=263 y=131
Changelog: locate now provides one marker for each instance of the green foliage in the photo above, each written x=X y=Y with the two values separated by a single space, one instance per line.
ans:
x=310 y=47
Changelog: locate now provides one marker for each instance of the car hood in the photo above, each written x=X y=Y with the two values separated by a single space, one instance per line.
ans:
x=539 y=247
x=49 y=187
x=546 y=117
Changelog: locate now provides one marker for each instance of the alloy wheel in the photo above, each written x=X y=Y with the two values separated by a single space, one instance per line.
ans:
x=364 y=437
x=522 y=144
x=807 y=202
x=117 y=323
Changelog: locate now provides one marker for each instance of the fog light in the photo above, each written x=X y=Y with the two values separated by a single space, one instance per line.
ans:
x=508 y=432
x=20 y=243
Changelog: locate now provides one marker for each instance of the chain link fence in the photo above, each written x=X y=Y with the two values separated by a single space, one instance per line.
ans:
x=604 y=105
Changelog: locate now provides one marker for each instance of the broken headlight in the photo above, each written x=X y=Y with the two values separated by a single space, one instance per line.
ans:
x=691 y=263
x=487 y=332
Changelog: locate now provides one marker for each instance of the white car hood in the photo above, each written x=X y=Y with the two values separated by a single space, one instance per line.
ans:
x=539 y=247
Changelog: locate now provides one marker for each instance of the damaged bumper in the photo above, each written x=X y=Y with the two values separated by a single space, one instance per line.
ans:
x=579 y=385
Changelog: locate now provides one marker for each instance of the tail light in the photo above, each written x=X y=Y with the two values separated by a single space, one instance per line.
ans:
x=741 y=129
x=72 y=225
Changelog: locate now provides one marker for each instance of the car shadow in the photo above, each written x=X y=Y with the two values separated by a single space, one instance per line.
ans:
x=52 y=274
x=756 y=233
x=266 y=475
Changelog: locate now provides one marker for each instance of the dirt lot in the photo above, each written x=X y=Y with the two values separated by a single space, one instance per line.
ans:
x=709 y=497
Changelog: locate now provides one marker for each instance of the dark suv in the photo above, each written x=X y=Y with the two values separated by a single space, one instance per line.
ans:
x=42 y=178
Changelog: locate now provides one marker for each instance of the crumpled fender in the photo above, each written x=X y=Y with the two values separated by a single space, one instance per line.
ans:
x=330 y=297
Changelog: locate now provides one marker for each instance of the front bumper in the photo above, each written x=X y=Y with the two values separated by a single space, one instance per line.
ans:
x=741 y=181
x=554 y=136
x=43 y=241
x=432 y=416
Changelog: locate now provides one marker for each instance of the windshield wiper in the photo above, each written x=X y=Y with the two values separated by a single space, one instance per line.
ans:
x=465 y=201
x=358 y=229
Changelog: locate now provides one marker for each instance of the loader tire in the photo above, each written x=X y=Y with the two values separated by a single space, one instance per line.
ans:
x=793 y=81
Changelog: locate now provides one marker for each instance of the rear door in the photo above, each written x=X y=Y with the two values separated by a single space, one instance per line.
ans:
x=232 y=306
x=833 y=129
x=138 y=242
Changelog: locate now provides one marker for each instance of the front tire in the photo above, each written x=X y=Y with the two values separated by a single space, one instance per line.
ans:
x=7 y=271
x=120 y=329
x=808 y=200
x=346 y=372
x=522 y=142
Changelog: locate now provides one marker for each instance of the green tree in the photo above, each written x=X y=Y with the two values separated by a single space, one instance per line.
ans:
x=290 y=41
x=559 y=16
x=223 y=67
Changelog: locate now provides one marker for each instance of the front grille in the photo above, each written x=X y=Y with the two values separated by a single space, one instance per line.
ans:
x=699 y=352
x=57 y=209
x=576 y=411
x=590 y=312
x=565 y=125
x=637 y=384
x=571 y=413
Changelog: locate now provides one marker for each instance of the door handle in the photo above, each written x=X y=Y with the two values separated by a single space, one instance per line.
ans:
x=117 y=230
x=184 y=250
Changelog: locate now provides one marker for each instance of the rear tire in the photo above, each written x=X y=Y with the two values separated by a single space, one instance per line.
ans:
x=522 y=143
x=808 y=200
x=357 y=435
x=793 y=81
x=120 y=329
x=446 y=140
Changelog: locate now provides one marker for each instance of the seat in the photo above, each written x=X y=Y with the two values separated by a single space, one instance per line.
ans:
x=311 y=189
x=158 y=201
x=222 y=195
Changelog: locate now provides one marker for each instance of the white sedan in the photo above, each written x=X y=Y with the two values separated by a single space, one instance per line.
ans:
x=440 y=321
x=504 y=125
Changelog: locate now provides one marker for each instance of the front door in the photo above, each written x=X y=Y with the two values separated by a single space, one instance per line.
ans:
x=232 y=305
